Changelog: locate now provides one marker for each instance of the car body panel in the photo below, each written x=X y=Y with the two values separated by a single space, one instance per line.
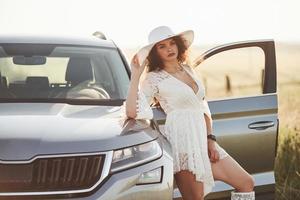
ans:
x=57 y=40
x=64 y=128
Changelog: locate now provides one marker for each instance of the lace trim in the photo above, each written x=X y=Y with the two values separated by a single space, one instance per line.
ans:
x=143 y=109
x=183 y=165
x=153 y=80
x=183 y=162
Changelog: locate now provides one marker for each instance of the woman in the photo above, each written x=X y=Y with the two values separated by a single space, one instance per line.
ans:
x=198 y=159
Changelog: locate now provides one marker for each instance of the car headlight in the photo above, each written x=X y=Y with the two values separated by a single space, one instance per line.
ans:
x=135 y=155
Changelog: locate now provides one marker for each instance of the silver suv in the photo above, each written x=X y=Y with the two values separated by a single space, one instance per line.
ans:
x=63 y=135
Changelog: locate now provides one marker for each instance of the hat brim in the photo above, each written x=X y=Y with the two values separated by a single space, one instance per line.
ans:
x=142 y=53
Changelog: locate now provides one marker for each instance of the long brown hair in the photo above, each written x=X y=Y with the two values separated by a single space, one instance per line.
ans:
x=156 y=64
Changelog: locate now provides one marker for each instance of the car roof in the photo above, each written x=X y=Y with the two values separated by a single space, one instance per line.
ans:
x=59 y=40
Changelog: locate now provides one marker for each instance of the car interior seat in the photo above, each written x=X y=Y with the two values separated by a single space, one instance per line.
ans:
x=4 y=91
x=79 y=69
x=3 y=82
x=37 y=86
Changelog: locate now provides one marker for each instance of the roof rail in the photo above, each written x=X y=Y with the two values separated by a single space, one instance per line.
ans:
x=100 y=35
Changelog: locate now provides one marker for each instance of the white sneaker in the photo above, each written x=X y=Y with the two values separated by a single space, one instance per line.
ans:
x=243 y=195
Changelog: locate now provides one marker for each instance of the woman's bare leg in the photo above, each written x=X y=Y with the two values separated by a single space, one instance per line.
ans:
x=229 y=171
x=189 y=188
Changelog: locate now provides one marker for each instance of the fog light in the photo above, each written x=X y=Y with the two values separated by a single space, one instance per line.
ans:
x=153 y=176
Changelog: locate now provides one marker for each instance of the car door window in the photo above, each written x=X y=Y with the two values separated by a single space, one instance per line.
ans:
x=233 y=73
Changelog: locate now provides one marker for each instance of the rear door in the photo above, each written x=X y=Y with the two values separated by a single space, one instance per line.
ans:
x=240 y=81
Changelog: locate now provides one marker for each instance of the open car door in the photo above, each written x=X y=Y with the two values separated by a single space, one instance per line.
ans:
x=241 y=90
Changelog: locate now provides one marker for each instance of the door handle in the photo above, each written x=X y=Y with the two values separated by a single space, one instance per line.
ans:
x=261 y=125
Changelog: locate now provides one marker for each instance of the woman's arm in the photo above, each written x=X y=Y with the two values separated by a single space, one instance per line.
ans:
x=208 y=124
x=131 y=100
x=212 y=151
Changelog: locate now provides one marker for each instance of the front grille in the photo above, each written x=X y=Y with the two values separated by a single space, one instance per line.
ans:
x=52 y=174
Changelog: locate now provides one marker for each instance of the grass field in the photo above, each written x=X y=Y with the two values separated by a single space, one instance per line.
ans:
x=287 y=164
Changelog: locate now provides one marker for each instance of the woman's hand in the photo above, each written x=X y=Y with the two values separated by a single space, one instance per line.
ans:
x=136 y=68
x=132 y=96
x=212 y=151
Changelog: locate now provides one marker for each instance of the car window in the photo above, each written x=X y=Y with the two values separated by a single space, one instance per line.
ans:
x=233 y=73
x=68 y=72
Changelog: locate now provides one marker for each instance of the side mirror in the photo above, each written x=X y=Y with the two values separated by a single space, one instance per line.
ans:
x=99 y=34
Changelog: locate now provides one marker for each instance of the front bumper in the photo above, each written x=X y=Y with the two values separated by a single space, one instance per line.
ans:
x=123 y=186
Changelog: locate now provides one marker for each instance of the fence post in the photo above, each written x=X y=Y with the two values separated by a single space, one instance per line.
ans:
x=228 y=84
x=262 y=80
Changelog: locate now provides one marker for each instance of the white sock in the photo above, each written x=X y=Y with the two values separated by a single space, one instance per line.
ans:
x=242 y=195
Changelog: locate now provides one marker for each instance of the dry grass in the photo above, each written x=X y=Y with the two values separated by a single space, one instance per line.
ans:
x=287 y=165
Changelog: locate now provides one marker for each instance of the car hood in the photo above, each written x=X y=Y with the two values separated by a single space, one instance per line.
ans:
x=30 y=129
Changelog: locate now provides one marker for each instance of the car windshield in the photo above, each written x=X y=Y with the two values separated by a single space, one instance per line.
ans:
x=49 y=72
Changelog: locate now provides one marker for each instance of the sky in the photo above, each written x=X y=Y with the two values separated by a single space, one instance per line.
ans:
x=129 y=22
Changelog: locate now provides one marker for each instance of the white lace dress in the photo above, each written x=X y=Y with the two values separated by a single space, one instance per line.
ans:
x=185 y=125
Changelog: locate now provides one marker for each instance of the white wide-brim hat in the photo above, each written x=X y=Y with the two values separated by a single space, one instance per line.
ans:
x=159 y=34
